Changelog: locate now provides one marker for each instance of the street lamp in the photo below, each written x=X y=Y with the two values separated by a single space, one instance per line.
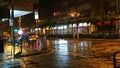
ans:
x=20 y=32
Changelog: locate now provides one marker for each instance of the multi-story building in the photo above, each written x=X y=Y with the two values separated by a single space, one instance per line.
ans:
x=81 y=17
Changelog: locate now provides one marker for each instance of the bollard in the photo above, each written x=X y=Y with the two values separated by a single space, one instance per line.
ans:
x=1 y=46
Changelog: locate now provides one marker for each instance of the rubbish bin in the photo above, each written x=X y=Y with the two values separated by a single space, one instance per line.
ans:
x=1 y=46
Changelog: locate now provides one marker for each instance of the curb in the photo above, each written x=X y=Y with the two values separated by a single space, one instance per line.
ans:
x=42 y=52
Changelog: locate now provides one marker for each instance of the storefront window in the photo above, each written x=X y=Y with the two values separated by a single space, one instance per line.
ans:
x=70 y=25
x=74 y=28
x=80 y=24
x=85 y=24
x=74 y=25
x=65 y=26
x=83 y=28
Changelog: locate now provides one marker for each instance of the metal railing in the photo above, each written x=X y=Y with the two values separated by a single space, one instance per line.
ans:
x=114 y=59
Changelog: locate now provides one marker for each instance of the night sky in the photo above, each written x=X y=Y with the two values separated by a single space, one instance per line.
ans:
x=46 y=3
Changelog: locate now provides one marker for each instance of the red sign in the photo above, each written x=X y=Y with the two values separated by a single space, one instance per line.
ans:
x=99 y=23
x=107 y=22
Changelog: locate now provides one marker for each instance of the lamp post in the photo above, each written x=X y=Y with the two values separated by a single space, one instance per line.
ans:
x=11 y=22
x=20 y=32
x=19 y=21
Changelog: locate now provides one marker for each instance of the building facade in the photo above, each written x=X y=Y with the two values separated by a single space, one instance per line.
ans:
x=81 y=18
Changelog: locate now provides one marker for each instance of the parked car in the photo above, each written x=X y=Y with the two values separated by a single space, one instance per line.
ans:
x=33 y=37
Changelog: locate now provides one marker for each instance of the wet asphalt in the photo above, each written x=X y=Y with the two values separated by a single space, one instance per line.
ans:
x=71 y=53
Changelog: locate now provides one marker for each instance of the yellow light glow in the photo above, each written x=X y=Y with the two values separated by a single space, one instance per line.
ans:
x=73 y=14
x=47 y=28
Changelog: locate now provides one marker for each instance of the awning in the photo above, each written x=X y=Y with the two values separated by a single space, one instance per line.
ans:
x=18 y=13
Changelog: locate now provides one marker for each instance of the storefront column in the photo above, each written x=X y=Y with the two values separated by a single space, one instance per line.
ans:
x=73 y=32
x=77 y=31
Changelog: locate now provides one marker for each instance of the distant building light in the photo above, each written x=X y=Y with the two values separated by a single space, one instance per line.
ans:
x=39 y=28
x=36 y=29
x=56 y=13
x=4 y=19
x=65 y=26
x=59 y=27
x=56 y=27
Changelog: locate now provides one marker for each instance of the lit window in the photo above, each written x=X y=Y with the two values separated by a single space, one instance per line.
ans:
x=74 y=25
x=55 y=27
x=70 y=25
x=65 y=26
x=80 y=24
x=85 y=24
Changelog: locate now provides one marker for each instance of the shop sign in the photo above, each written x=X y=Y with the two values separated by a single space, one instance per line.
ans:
x=99 y=23
x=107 y=22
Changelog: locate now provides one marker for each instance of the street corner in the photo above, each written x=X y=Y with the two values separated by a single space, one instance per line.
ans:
x=11 y=64
x=31 y=52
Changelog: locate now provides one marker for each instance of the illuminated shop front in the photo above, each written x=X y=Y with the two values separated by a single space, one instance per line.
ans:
x=51 y=31
x=65 y=29
x=70 y=29
x=60 y=30
x=47 y=30
x=84 y=28
x=75 y=30
x=107 y=27
x=55 y=30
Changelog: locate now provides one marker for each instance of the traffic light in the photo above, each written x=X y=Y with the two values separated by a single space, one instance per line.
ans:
x=15 y=30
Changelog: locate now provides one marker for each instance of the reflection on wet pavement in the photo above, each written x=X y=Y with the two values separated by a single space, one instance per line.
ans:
x=65 y=47
x=73 y=54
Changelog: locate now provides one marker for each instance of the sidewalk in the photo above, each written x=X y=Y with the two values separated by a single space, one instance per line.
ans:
x=7 y=58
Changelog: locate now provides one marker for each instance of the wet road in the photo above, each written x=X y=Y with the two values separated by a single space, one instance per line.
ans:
x=73 y=53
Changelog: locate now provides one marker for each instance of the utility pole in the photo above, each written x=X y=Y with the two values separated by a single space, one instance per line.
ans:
x=19 y=21
x=12 y=26
x=20 y=32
